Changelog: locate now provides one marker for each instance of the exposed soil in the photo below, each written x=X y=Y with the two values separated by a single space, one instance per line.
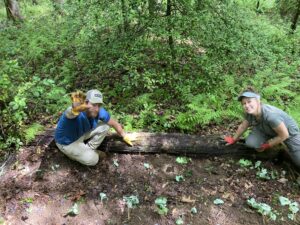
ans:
x=41 y=188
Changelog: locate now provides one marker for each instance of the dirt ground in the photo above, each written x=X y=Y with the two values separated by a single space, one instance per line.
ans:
x=41 y=190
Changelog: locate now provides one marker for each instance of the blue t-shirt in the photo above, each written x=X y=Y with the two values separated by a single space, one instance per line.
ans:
x=69 y=130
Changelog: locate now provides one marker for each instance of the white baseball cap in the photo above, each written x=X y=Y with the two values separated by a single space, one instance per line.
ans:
x=94 y=96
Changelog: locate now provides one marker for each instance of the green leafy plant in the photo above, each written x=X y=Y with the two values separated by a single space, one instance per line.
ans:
x=74 y=210
x=179 y=178
x=161 y=204
x=245 y=162
x=182 y=160
x=102 y=196
x=131 y=202
x=31 y=131
x=293 y=206
x=147 y=165
x=218 y=201
x=262 y=208
x=116 y=163
x=263 y=174
x=194 y=210
x=179 y=221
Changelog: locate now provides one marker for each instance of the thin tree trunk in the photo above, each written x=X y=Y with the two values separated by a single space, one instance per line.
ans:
x=34 y=2
x=125 y=15
x=58 y=6
x=170 y=28
x=151 y=7
x=295 y=18
x=13 y=10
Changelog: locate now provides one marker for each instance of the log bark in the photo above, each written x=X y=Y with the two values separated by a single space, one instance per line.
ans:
x=170 y=143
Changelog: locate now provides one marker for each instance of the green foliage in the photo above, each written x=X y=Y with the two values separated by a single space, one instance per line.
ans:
x=149 y=83
x=161 y=204
x=245 y=163
x=74 y=210
x=131 y=201
x=218 y=201
x=263 y=208
x=31 y=131
x=182 y=160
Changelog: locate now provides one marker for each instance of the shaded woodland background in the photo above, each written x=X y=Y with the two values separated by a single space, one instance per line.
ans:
x=163 y=65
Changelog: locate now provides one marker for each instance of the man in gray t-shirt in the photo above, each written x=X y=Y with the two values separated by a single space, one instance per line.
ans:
x=271 y=126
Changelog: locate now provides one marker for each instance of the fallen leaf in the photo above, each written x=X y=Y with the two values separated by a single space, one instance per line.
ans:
x=282 y=180
x=78 y=195
x=187 y=199
x=248 y=185
x=222 y=189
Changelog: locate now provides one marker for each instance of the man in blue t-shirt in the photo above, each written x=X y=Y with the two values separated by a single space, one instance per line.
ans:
x=83 y=126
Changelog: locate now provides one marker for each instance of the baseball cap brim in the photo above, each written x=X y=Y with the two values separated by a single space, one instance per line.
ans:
x=96 y=101
x=248 y=94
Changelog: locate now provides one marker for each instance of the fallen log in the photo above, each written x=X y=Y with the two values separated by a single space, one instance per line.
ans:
x=179 y=144
x=171 y=143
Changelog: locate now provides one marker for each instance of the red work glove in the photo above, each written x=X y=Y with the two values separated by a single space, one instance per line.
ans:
x=229 y=140
x=264 y=146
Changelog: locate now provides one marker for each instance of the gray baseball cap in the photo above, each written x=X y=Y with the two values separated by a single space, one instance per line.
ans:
x=94 y=96
x=248 y=94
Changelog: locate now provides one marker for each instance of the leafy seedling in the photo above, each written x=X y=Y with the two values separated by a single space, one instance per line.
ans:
x=116 y=164
x=147 y=165
x=284 y=201
x=294 y=208
x=245 y=163
x=182 y=160
x=161 y=204
x=179 y=178
x=73 y=211
x=257 y=164
x=218 y=201
x=55 y=167
x=262 y=208
x=131 y=202
x=263 y=174
x=102 y=196
x=27 y=200
x=194 y=210
x=179 y=221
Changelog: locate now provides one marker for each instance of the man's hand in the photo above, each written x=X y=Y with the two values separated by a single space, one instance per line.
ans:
x=127 y=140
x=78 y=102
x=229 y=140
x=263 y=147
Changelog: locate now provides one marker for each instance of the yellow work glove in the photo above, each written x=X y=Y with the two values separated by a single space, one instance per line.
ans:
x=78 y=102
x=127 y=140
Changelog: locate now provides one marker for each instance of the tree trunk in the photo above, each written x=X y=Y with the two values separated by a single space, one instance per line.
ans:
x=58 y=6
x=151 y=7
x=13 y=10
x=125 y=15
x=178 y=144
x=170 y=28
x=34 y=2
x=296 y=17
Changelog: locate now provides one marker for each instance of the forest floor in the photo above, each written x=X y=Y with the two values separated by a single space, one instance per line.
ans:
x=42 y=189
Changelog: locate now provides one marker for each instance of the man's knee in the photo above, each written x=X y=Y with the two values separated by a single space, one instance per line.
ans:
x=90 y=158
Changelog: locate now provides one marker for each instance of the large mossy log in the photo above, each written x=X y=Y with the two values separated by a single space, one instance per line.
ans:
x=171 y=143
x=179 y=144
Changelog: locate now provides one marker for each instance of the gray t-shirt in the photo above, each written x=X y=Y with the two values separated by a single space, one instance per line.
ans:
x=271 y=117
